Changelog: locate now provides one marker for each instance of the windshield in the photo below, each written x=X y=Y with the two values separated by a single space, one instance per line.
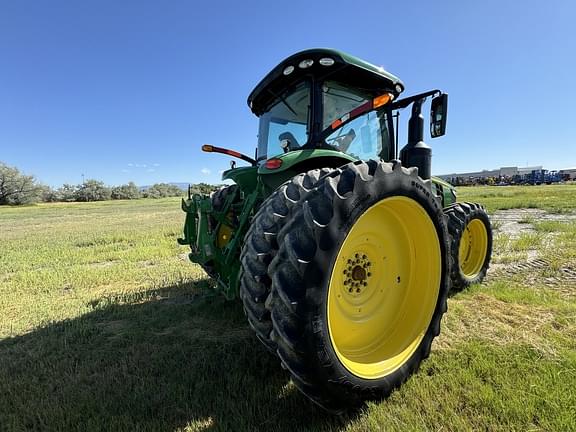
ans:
x=284 y=126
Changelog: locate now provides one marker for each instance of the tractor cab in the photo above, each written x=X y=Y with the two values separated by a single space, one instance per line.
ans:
x=325 y=99
x=325 y=108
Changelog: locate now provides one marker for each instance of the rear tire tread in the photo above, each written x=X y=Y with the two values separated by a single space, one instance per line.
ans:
x=260 y=246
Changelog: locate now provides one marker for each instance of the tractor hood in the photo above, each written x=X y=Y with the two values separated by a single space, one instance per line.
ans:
x=320 y=64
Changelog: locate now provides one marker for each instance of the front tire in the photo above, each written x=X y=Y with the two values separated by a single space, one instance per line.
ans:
x=471 y=240
x=359 y=285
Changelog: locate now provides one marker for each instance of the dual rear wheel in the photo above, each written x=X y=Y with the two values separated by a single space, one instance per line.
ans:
x=353 y=292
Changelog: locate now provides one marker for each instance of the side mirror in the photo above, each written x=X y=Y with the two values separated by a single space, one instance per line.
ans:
x=438 y=112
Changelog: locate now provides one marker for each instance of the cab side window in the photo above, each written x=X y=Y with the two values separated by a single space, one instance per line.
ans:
x=365 y=137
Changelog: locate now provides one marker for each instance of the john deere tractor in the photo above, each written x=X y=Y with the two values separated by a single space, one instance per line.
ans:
x=342 y=247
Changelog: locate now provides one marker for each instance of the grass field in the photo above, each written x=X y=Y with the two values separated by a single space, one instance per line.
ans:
x=105 y=325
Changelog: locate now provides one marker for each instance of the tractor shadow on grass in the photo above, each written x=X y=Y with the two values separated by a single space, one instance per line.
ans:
x=164 y=360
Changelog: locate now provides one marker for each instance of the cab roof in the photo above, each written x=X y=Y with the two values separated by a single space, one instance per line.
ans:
x=346 y=69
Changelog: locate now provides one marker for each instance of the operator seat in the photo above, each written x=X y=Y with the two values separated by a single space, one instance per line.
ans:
x=292 y=141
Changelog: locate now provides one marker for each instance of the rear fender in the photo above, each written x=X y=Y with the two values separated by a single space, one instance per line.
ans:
x=299 y=161
x=245 y=177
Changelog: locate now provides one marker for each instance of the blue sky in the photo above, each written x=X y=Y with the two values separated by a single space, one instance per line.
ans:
x=130 y=90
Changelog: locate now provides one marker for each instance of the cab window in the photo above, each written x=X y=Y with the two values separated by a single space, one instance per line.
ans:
x=284 y=126
x=365 y=137
x=338 y=100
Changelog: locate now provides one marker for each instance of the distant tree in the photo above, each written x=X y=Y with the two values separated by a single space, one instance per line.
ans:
x=127 y=191
x=162 y=190
x=17 y=188
x=93 y=190
x=203 y=188
x=48 y=194
x=66 y=193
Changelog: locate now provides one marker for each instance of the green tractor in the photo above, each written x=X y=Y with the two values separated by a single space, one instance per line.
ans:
x=342 y=247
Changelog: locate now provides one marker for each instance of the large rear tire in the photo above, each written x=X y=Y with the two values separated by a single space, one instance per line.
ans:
x=261 y=245
x=471 y=240
x=360 y=282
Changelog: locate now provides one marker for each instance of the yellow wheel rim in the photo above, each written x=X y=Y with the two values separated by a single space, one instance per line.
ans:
x=473 y=248
x=384 y=287
x=224 y=233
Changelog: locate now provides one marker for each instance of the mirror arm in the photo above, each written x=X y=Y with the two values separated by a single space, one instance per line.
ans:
x=403 y=103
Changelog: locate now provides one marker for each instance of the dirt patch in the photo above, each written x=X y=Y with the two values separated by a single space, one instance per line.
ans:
x=534 y=265
x=6 y=276
x=538 y=271
x=517 y=221
x=103 y=264
x=147 y=263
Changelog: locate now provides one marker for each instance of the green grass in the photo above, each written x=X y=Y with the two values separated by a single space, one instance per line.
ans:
x=527 y=241
x=105 y=325
x=553 y=198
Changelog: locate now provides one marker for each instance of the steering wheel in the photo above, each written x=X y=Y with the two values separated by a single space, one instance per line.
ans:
x=344 y=141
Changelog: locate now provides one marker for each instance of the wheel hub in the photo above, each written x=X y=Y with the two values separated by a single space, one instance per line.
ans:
x=357 y=274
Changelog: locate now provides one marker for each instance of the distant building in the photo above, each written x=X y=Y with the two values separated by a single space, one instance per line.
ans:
x=528 y=170
x=511 y=175
x=571 y=172
x=509 y=171
x=497 y=173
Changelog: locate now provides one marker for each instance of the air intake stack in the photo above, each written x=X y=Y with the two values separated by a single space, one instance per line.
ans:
x=417 y=153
